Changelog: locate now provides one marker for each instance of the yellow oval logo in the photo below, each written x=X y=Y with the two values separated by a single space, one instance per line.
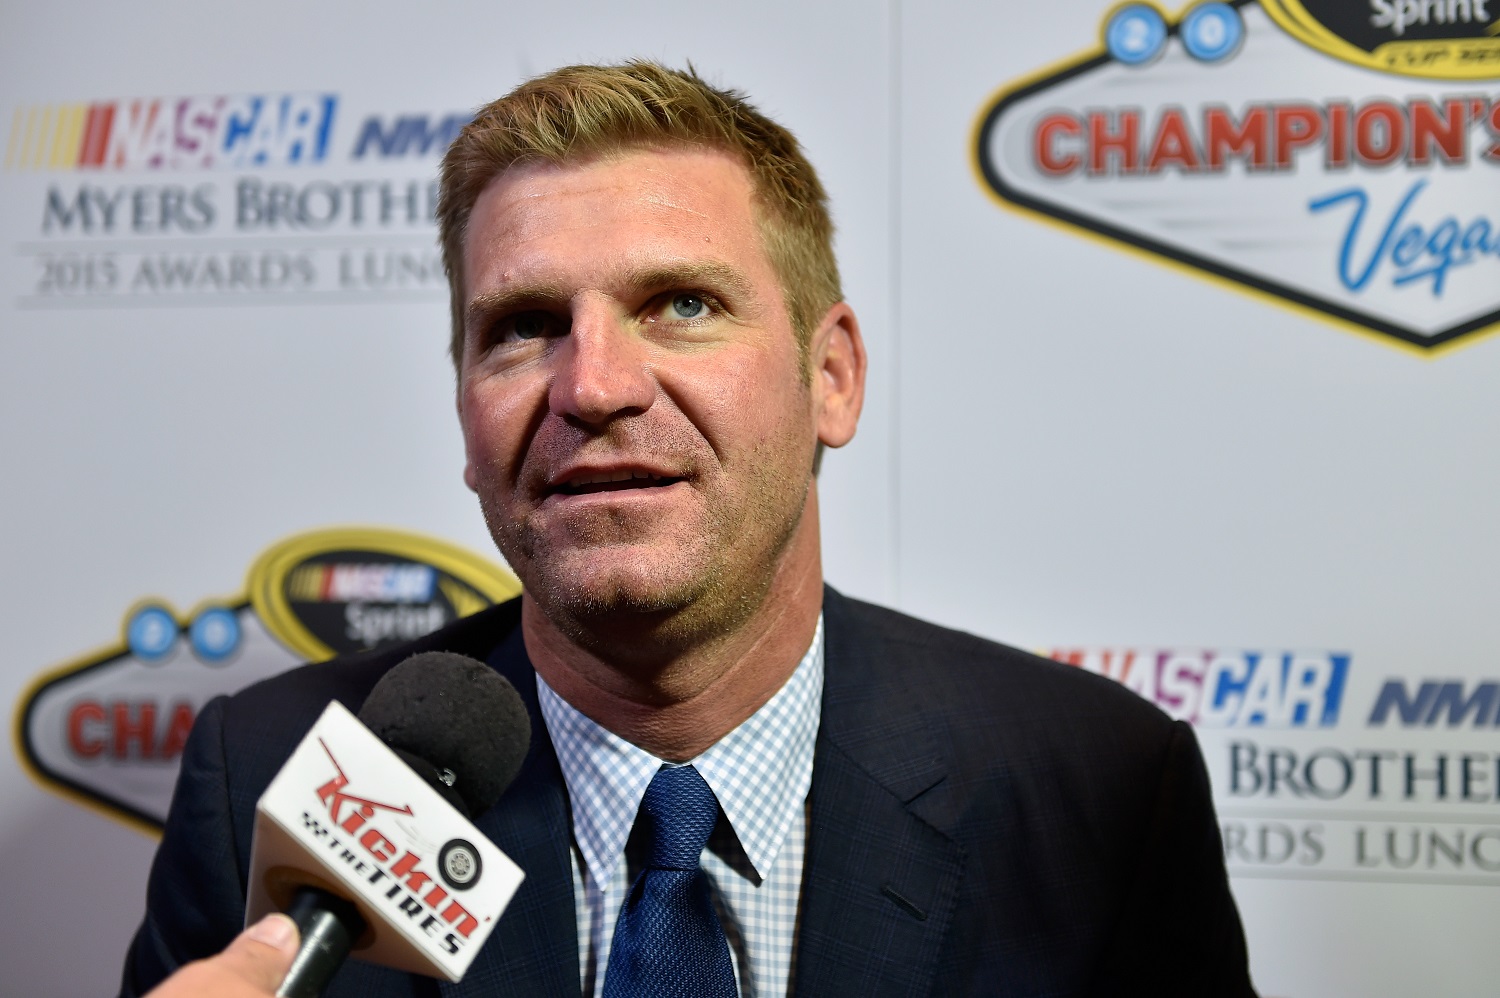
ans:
x=1434 y=39
x=331 y=592
x=108 y=728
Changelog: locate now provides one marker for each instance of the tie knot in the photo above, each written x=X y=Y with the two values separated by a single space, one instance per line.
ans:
x=682 y=811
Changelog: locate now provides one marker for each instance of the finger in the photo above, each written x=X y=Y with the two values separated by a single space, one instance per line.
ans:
x=262 y=954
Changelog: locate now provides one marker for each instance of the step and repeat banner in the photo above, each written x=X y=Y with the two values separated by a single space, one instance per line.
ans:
x=1179 y=322
x=1197 y=357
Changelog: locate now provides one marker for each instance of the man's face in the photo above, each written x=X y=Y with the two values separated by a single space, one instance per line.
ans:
x=638 y=423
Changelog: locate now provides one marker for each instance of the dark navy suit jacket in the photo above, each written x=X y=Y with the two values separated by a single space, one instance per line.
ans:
x=983 y=822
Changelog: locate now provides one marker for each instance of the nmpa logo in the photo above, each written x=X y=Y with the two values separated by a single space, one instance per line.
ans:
x=407 y=135
x=1226 y=689
x=1338 y=155
x=173 y=133
x=1428 y=703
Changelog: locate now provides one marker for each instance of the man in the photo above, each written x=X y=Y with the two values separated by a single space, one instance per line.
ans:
x=652 y=351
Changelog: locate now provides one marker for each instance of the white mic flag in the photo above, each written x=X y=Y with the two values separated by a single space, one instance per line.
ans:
x=346 y=815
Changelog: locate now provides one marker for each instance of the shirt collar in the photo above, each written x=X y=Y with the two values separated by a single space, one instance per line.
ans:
x=760 y=771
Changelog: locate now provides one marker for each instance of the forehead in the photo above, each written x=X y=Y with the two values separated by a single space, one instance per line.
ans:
x=641 y=206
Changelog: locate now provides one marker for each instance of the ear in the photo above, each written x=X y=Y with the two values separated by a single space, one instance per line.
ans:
x=837 y=357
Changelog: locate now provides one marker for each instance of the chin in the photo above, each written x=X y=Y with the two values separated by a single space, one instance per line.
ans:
x=596 y=585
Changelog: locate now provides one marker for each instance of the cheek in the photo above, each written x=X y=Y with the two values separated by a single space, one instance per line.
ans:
x=745 y=401
x=493 y=420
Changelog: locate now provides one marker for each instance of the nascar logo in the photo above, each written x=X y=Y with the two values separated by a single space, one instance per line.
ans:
x=173 y=133
x=380 y=582
x=1226 y=689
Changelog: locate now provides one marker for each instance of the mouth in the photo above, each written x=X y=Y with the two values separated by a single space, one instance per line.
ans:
x=623 y=480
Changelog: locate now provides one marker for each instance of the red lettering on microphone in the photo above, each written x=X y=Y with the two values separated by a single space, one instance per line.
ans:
x=377 y=845
x=410 y=880
x=357 y=817
x=459 y=918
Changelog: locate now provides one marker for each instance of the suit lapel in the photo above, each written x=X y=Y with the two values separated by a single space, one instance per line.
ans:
x=533 y=950
x=880 y=881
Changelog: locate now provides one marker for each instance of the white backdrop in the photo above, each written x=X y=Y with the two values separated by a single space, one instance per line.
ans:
x=1066 y=446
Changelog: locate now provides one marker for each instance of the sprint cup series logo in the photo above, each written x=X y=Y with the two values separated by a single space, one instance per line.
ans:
x=108 y=729
x=1340 y=155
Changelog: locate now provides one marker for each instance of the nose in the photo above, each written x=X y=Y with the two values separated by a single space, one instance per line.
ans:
x=602 y=371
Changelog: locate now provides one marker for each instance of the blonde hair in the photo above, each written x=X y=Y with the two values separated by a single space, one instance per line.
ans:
x=581 y=111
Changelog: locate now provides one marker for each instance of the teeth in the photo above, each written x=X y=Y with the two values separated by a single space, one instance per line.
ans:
x=623 y=475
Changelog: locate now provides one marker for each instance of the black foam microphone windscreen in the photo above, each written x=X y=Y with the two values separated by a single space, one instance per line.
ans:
x=456 y=721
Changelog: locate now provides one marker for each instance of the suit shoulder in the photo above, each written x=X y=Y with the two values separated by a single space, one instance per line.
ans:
x=1006 y=724
x=277 y=711
x=950 y=656
x=966 y=682
x=347 y=679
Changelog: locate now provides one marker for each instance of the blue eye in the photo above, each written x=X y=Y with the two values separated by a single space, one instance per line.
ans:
x=528 y=325
x=688 y=306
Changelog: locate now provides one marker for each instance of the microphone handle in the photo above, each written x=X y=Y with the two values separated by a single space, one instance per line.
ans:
x=329 y=926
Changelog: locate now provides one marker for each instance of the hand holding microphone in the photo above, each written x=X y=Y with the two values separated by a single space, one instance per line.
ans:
x=250 y=967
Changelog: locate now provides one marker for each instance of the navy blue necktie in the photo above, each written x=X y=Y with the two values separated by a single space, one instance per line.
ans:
x=668 y=942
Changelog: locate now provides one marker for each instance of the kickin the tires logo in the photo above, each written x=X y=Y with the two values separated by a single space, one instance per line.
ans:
x=1342 y=156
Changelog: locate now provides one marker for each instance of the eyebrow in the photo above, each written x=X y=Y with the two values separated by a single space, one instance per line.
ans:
x=716 y=277
x=719 y=278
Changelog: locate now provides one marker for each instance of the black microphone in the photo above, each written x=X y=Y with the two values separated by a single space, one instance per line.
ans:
x=454 y=720
x=461 y=727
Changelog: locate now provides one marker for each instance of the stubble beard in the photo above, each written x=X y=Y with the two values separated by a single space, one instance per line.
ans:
x=656 y=610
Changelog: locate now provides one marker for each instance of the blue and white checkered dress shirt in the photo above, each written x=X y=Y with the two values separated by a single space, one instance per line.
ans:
x=760 y=772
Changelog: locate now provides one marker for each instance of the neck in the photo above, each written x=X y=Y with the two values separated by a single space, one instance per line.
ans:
x=690 y=695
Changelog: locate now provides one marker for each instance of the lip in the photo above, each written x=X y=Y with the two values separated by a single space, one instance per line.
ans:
x=614 y=480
